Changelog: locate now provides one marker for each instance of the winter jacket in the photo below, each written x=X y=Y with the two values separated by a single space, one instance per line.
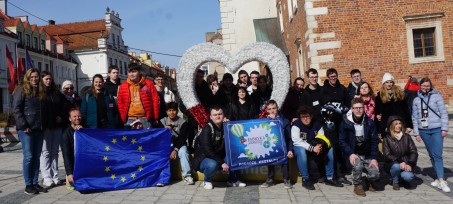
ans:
x=179 y=131
x=148 y=95
x=27 y=111
x=231 y=94
x=204 y=94
x=347 y=136
x=399 y=108
x=238 y=111
x=436 y=103
x=54 y=105
x=212 y=146
x=313 y=99
x=112 y=88
x=352 y=91
x=301 y=134
x=337 y=93
x=67 y=149
x=292 y=103
x=89 y=110
x=286 y=125
x=260 y=97
x=403 y=150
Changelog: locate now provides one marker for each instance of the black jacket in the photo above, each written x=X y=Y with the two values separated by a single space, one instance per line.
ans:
x=403 y=150
x=54 y=105
x=313 y=99
x=352 y=91
x=398 y=108
x=292 y=103
x=212 y=146
x=260 y=97
x=27 y=111
x=112 y=88
x=237 y=111
x=67 y=149
x=231 y=94
x=204 y=94
x=337 y=93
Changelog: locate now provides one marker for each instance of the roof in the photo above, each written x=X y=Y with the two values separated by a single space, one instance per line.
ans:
x=3 y=16
x=80 y=35
x=215 y=37
x=12 y=22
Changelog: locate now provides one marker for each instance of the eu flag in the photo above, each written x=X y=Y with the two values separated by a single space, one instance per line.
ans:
x=107 y=159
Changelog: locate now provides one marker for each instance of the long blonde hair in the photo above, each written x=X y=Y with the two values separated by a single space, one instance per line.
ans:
x=398 y=94
x=26 y=87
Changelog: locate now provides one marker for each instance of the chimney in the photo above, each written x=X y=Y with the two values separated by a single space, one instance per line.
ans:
x=51 y=22
x=3 y=6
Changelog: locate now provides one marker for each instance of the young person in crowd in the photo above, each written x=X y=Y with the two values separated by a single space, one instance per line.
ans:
x=293 y=99
x=400 y=153
x=243 y=108
x=218 y=96
x=28 y=115
x=243 y=79
x=113 y=81
x=98 y=107
x=53 y=104
x=272 y=111
x=228 y=88
x=253 y=82
x=74 y=100
x=204 y=93
x=365 y=92
x=333 y=90
x=209 y=157
x=67 y=145
x=179 y=129
x=353 y=87
x=312 y=94
x=165 y=94
x=358 y=141
x=430 y=119
x=262 y=93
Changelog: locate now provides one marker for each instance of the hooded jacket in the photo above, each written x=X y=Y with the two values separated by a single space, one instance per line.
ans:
x=112 y=88
x=212 y=146
x=398 y=151
x=336 y=93
x=436 y=103
x=313 y=98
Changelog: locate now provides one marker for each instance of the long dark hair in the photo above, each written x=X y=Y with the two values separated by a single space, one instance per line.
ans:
x=52 y=87
x=371 y=93
x=93 y=90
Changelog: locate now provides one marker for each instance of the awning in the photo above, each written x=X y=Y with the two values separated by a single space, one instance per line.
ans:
x=268 y=30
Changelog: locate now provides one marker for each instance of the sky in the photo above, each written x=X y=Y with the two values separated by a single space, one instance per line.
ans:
x=164 y=26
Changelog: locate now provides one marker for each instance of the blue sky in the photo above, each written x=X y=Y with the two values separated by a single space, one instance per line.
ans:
x=166 y=26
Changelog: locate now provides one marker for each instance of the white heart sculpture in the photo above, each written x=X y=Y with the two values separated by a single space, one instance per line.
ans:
x=208 y=52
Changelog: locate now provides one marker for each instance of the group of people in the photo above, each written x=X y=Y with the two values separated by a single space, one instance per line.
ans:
x=338 y=143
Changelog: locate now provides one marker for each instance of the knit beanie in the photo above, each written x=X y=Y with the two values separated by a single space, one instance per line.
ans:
x=387 y=77
x=66 y=83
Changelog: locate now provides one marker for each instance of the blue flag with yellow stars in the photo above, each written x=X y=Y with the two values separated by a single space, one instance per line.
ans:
x=107 y=159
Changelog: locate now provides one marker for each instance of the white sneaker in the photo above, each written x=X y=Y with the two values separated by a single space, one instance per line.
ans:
x=435 y=183
x=207 y=185
x=444 y=186
x=160 y=184
x=236 y=184
x=189 y=180
x=48 y=184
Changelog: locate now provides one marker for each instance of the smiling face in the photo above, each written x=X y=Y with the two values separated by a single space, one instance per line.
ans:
x=389 y=85
x=47 y=80
x=241 y=94
x=68 y=90
x=313 y=79
x=34 y=78
x=217 y=116
x=357 y=109
x=98 y=83
x=364 y=90
x=425 y=87
x=75 y=117
x=333 y=78
x=134 y=75
x=299 y=85
x=159 y=81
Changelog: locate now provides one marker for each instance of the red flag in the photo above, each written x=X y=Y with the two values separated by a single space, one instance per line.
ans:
x=20 y=68
x=12 y=83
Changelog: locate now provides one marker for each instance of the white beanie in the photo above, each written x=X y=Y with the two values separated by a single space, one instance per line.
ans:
x=66 y=83
x=387 y=77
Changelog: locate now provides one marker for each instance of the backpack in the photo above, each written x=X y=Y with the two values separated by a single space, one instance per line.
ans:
x=196 y=139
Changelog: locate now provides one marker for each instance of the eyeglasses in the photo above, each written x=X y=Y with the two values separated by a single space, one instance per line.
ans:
x=357 y=108
x=69 y=88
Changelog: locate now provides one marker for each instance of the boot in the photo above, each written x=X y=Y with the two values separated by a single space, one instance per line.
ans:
x=358 y=190
x=371 y=187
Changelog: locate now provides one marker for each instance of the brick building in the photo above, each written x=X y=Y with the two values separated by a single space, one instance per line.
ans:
x=406 y=37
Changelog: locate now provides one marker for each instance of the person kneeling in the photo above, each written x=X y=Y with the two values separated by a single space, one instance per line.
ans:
x=304 y=132
x=67 y=146
x=210 y=152
x=400 y=152
x=179 y=129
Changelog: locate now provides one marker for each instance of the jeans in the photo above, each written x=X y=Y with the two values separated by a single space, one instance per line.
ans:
x=362 y=164
x=49 y=155
x=31 y=149
x=396 y=173
x=183 y=155
x=434 y=143
x=271 y=171
x=209 y=168
x=302 y=162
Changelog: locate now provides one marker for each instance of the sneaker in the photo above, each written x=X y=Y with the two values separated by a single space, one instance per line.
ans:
x=207 y=185
x=30 y=190
x=344 y=181
x=444 y=186
x=236 y=184
x=287 y=184
x=322 y=179
x=40 y=188
x=160 y=184
x=396 y=186
x=308 y=185
x=58 y=183
x=69 y=186
x=269 y=182
x=189 y=180
x=435 y=183
x=358 y=190
x=48 y=184
x=333 y=182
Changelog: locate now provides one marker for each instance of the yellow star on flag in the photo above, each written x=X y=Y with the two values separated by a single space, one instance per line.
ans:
x=142 y=158
x=140 y=168
x=114 y=141
x=140 y=148
x=107 y=148
x=113 y=176
x=124 y=138
x=105 y=158
x=123 y=179
x=133 y=176
x=133 y=141
x=107 y=169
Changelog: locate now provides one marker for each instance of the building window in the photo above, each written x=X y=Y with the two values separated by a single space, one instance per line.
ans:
x=43 y=45
x=47 y=67
x=27 y=40
x=35 y=43
x=113 y=39
x=424 y=42
x=125 y=67
x=19 y=35
x=116 y=62
x=118 y=40
x=110 y=61
x=40 y=66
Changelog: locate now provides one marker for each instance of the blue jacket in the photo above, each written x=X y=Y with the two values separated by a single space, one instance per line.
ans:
x=89 y=111
x=436 y=103
x=347 y=137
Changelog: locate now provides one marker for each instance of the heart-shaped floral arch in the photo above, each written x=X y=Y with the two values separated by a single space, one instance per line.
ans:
x=209 y=52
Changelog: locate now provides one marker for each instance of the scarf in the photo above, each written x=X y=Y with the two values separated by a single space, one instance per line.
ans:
x=398 y=136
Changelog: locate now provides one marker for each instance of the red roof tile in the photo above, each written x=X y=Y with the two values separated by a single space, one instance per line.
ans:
x=33 y=27
x=12 y=22
x=25 y=23
x=3 y=16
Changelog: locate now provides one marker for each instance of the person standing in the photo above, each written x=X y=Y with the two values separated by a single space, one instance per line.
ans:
x=365 y=92
x=98 y=107
x=253 y=82
x=28 y=115
x=165 y=95
x=333 y=90
x=312 y=95
x=228 y=88
x=430 y=119
x=113 y=81
x=243 y=108
x=352 y=88
x=293 y=100
x=67 y=88
x=243 y=79
x=204 y=93
x=262 y=94
x=138 y=99
x=53 y=105
x=67 y=145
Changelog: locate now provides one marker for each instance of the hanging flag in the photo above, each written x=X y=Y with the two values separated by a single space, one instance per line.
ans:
x=12 y=76
x=107 y=159
x=20 y=68
x=29 y=60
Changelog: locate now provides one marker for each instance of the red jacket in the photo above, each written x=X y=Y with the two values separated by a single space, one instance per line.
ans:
x=148 y=95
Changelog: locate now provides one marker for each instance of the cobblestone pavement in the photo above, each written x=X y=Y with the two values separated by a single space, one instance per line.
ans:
x=12 y=187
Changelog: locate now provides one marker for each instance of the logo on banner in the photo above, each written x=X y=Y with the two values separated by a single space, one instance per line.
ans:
x=259 y=140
